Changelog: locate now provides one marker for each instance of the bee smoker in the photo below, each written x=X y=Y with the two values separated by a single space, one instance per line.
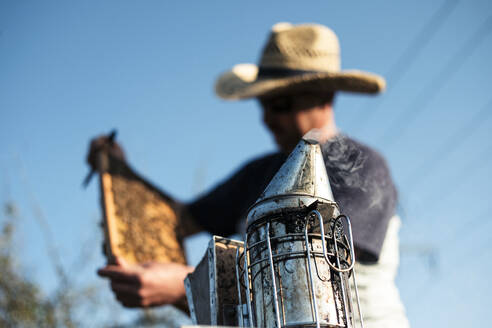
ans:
x=298 y=251
x=293 y=268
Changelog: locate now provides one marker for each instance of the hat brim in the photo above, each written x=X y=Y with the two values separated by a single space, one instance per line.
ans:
x=241 y=82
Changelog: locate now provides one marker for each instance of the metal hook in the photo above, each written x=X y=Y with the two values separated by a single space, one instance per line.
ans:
x=323 y=242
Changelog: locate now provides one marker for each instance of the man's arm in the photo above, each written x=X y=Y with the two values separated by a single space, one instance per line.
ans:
x=152 y=283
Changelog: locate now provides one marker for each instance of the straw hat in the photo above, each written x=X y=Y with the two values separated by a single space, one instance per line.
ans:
x=296 y=57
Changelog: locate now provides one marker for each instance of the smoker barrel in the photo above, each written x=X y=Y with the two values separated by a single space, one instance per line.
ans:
x=298 y=254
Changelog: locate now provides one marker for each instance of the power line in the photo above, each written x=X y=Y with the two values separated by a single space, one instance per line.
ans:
x=458 y=233
x=450 y=145
x=402 y=122
x=408 y=57
x=483 y=160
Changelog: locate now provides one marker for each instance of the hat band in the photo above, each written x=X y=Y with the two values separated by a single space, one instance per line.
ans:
x=268 y=73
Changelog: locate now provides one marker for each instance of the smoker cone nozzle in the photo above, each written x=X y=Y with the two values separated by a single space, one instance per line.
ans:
x=301 y=180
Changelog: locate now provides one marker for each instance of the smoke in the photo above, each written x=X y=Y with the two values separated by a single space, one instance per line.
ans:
x=319 y=136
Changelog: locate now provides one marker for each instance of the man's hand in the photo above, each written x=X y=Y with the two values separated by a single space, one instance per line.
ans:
x=107 y=144
x=146 y=285
x=97 y=145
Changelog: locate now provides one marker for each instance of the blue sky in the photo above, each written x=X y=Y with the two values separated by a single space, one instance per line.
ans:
x=74 y=69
